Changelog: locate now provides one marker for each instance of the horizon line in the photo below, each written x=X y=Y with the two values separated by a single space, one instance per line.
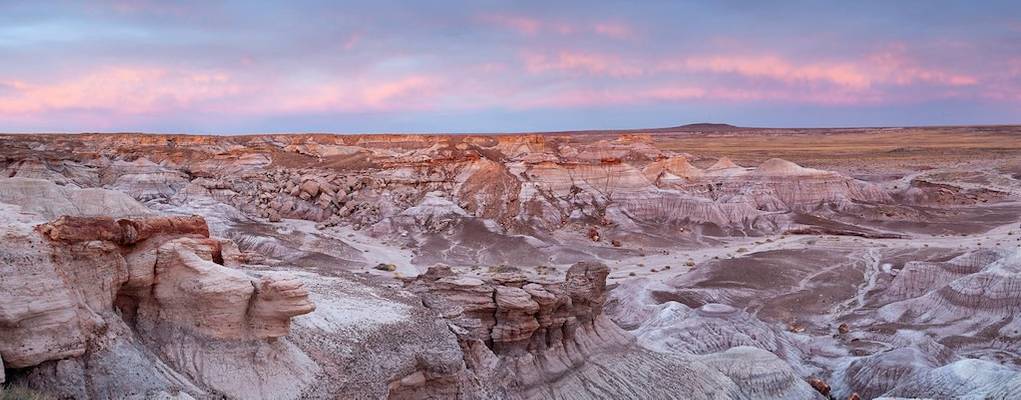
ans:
x=693 y=127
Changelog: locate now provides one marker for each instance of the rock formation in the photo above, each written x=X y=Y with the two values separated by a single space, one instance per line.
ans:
x=617 y=265
x=532 y=333
x=523 y=184
x=93 y=287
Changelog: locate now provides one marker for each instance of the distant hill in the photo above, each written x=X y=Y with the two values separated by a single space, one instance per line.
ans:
x=702 y=126
x=697 y=127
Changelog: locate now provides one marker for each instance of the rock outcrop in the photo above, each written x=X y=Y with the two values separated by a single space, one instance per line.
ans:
x=529 y=332
x=155 y=292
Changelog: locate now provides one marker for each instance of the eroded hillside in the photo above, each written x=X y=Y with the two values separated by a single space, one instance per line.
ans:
x=725 y=263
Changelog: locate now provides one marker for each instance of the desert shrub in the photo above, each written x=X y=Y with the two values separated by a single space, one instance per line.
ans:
x=13 y=392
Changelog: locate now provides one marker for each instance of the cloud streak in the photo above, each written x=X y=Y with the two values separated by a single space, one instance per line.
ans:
x=118 y=89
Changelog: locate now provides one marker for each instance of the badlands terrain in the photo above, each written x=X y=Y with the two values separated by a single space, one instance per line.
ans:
x=697 y=262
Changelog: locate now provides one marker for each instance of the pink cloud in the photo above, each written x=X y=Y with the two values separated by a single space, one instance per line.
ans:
x=620 y=96
x=880 y=69
x=777 y=68
x=355 y=95
x=894 y=67
x=586 y=63
x=382 y=94
x=128 y=90
x=641 y=93
x=770 y=67
x=883 y=68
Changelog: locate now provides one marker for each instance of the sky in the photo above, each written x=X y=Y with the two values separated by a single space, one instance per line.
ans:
x=481 y=66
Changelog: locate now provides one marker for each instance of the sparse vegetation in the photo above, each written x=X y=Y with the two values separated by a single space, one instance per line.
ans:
x=22 y=393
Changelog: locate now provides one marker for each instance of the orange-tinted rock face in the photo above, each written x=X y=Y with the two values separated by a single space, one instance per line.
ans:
x=125 y=231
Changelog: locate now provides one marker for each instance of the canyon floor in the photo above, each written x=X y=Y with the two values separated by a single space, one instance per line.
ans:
x=703 y=261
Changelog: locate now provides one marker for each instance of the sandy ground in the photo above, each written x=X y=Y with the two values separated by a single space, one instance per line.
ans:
x=374 y=250
x=653 y=266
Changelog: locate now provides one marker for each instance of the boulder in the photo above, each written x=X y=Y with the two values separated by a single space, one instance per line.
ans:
x=309 y=188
